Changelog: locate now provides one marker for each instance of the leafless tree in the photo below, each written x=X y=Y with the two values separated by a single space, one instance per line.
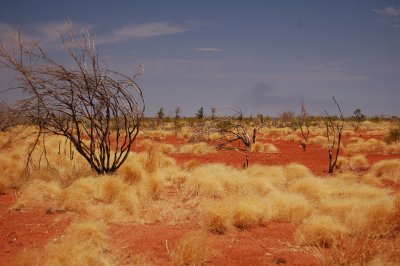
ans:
x=232 y=130
x=286 y=119
x=98 y=110
x=304 y=122
x=334 y=129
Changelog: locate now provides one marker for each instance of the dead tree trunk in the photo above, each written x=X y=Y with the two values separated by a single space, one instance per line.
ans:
x=334 y=130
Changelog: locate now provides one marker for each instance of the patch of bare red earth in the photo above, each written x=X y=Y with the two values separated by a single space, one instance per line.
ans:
x=268 y=245
x=25 y=229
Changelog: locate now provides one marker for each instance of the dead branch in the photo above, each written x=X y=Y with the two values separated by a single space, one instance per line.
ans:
x=334 y=134
x=97 y=109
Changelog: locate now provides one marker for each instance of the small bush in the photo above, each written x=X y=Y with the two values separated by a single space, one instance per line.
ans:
x=393 y=136
x=193 y=249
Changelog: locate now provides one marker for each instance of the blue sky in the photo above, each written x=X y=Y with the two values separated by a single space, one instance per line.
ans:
x=262 y=56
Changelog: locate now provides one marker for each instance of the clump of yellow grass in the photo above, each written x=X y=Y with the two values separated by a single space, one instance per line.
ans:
x=342 y=163
x=358 y=162
x=264 y=147
x=214 y=180
x=371 y=145
x=200 y=148
x=38 y=192
x=392 y=148
x=154 y=146
x=321 y=230
x=193 y=249
x=387 y=169
x=84 y=243
x=319 y=140
x=215 y=216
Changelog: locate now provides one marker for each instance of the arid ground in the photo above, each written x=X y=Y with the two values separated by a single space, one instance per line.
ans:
x=175 y=203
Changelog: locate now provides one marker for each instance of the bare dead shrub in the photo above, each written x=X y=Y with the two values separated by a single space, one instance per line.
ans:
x=97 y=109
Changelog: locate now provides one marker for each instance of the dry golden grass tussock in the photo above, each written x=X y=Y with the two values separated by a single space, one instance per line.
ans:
x=153 y=146
x=371 y=145
x=261 y=185
x=312 y=188
x=84 y=243
x=193 y=249
x=275 y=174
x=292 y=137
x=79 y=196
x=156 y=134
x=264 y=147
x=200 y=148
x=288 y=207
x=387 y=169
x=342 y=163
x=248 y=211
x=350 y=250
x=392 y=148
x=152 y=161
x=275 y=132
x=215 y=180
x=132 y=171
x=106 y=198
x=354 y=140
x=319 y=140
x=358 y=162
x=320 y=230
x=216 y=216
x=37 y=192
x=12 y=167
x=296 y=171
x=371 y=216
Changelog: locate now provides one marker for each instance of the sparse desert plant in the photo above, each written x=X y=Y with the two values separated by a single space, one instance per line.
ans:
x=319 y=140
x=296 y=171
x=98 y=110
x=304 y=123
x=334 y=135
x=358 y=162
x=85 y=243
x=350 y=250
x=288 y=207
x=357 y=118
x=216 y=216
x=387 y=169
x=361 y=146
x=193 y=249
x=248 y=211
x=342 y=163
x=200 y=148
x=392 y=148
x=393 y=135
x=38 y=192
x=264 y=147
x=321 y=230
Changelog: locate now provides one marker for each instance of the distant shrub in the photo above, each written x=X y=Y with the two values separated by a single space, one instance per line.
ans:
x=393 y=136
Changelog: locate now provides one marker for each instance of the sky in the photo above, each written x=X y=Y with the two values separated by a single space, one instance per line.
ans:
x=257 y=56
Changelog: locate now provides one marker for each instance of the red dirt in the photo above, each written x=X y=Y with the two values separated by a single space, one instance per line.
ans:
x=256 y=246
x=27 y=229
x=268 y=245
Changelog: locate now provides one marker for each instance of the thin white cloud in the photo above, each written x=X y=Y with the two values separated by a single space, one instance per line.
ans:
x=207 y=49
x=49 y=33
x=45 y=34
x=388 y=11
x=141 y=31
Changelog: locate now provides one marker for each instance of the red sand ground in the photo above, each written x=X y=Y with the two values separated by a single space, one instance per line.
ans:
x=268 y=245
